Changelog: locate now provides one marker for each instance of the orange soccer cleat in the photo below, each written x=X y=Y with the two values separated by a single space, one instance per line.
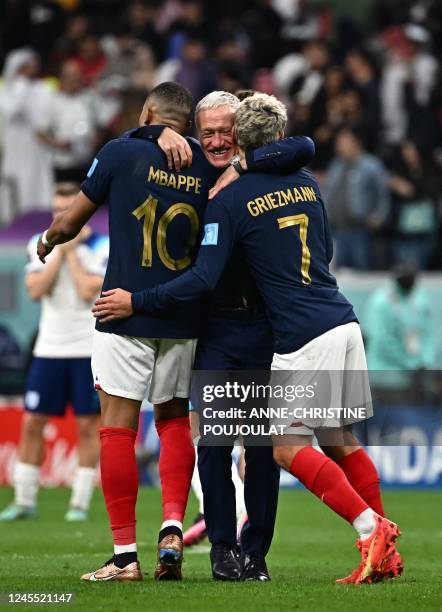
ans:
x=376 y=554
x=391 y=567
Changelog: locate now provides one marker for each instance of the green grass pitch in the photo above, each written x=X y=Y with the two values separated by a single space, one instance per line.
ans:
x=311 y=548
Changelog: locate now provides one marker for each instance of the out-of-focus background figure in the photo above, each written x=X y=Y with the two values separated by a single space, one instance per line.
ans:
x=25 y=164
x=60 y=371
x=400 y=335
x=68 y=125
x=357 y=200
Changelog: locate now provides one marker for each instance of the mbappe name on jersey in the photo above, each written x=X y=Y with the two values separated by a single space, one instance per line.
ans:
x=275 y=199
x=174 y=181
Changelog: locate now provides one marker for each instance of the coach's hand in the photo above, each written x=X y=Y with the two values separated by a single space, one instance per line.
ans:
x=177 y=149
x=228 y=176
x=114 y=304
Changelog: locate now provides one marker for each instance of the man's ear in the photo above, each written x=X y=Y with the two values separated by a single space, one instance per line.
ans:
x=145 y=116
x=281 y=134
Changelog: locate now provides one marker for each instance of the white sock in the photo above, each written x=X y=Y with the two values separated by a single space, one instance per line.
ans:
x=82 y=487
x=365 y=523
x=239 y=491
x=26 y=483
x=171 y=523
x=196 y=487
x=123 y=548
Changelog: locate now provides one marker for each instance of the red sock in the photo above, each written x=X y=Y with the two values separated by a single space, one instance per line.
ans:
x=363 y=476
x=177 y=460
x=326 y=480
x=119 y=479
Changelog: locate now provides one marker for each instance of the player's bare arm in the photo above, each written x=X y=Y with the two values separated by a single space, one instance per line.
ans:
x=66 y=225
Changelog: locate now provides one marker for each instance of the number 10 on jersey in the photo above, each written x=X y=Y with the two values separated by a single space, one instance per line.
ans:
x=148 y=210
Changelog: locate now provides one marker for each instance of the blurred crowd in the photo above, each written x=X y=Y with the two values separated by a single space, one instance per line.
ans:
x=361 y=78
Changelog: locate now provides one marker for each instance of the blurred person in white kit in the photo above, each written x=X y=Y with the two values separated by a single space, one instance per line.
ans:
x=25 y=162
x=68 y=125
x=60 y=372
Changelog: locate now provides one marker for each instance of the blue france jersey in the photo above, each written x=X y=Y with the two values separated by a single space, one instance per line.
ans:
x=281 y=224
x=154 y=226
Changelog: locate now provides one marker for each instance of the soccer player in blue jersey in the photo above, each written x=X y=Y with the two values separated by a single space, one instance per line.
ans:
x=155 y=218
x=281 y=223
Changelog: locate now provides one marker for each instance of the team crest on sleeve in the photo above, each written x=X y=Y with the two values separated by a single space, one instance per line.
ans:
x=210 y=234
x=92 y=168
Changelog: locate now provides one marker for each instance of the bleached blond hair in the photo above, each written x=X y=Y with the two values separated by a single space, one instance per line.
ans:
x=216 y=99
x=259 y=120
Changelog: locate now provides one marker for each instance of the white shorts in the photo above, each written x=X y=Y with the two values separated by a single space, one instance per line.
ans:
x=132 y=367
x=335 y=352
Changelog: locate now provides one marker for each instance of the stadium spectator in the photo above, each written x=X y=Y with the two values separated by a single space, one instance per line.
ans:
x=262 y=24
x=66 y=45
x=193 y=69
x=190 y=22
x=90 y=58
x=130 y=60
x=25 y=162
x=60 y=372
x=357 y=200
x=362 y=75
x=408 y=77
x=302 y=74
x=140 y=21
x=67 y=126
x=415 y=191
x=401 y=339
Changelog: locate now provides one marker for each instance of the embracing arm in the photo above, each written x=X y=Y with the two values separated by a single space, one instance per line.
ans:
x=67 y=224
x=213 y=255
x=283 y=156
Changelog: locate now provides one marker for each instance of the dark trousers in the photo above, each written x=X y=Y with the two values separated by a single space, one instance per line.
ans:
x=261 y=486
x=238 y=345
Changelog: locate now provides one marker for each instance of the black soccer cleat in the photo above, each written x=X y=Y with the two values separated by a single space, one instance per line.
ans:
x=225 y=563
x=254 y=568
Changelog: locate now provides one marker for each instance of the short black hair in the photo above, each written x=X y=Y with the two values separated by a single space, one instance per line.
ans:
x=172 y=99
x=356 y=132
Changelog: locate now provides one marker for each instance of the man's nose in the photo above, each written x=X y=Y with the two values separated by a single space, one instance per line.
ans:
x=217 y=140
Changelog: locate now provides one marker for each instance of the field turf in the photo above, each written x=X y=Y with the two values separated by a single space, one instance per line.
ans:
x=311 y=548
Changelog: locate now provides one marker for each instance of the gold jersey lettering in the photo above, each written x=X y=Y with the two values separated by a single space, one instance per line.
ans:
x=154 y=175
x=163 y=178
x=174 y=181
x=253 y=209
x=260 y=203
x=298 y=196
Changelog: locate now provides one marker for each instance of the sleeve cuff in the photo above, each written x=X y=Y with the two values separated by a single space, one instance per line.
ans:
x=137 y=301
x=88 y=193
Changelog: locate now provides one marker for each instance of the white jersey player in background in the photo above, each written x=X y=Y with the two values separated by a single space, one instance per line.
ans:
x=60 y=372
